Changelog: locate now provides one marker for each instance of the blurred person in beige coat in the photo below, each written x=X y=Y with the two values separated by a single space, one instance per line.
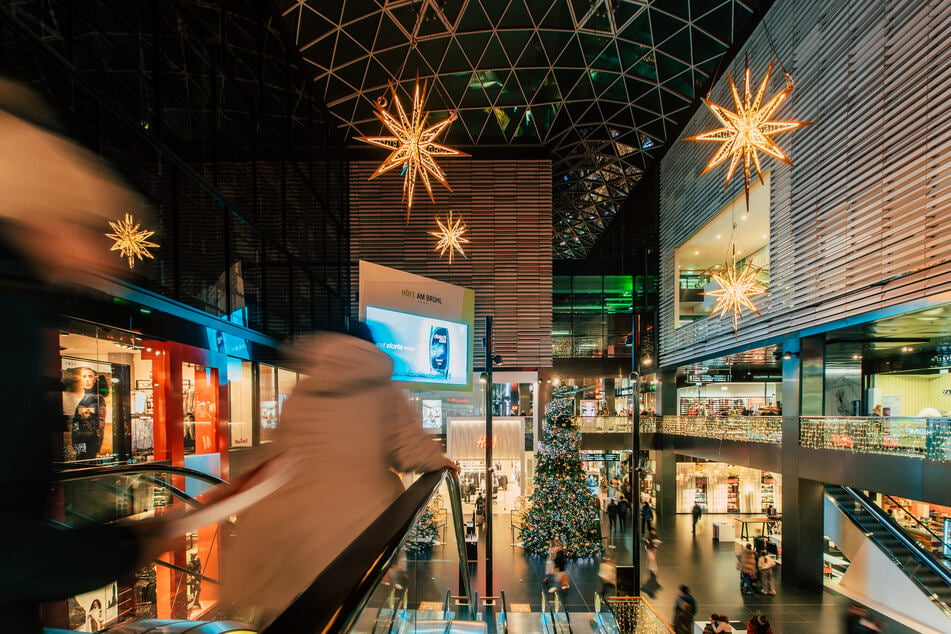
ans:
x=346 y=429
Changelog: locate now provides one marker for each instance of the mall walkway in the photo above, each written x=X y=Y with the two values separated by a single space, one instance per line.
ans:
x=707 y=567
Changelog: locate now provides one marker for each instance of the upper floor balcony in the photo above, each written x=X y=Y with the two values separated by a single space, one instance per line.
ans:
x=910 y=437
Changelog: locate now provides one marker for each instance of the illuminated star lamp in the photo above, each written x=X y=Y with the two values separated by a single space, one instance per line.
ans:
x=450 y=236
x=130 y=241
x=413 y=145
x=747 y=130
x=735 y=292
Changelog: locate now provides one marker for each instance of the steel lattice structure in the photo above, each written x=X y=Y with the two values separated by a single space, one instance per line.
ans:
x=601 y=84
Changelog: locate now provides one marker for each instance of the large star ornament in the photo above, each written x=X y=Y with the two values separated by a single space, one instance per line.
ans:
x=130 y=241
x=450 y=236
x=413 y=145
x=747 y=131
x=735 y=291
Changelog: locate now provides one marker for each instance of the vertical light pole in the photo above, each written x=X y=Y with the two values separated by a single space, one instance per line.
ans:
x=634 y=474
x=488 y=456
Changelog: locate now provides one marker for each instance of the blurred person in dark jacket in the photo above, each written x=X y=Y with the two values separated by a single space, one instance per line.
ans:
x=348 y=429
x=52 y=217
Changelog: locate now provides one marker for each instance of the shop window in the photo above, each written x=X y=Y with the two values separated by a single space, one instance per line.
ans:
x=240 y=401
x=733 y=228
x=107 y=396
x=200 y=408
x=267 y=399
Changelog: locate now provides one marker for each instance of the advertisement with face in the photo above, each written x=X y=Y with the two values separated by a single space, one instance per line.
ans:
x=423 y=349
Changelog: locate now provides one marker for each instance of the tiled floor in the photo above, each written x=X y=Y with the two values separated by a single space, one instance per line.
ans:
x=707 y=567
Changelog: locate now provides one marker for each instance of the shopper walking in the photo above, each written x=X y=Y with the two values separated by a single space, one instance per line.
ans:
x=345 y=471
x=685 y=607
x=56 y=201
x=612 y=515
x=765 y=564
x=623 y=508
x=607 y=572
x=746 y=564
x=651 y=544
x=647 y=517
x=696 y=512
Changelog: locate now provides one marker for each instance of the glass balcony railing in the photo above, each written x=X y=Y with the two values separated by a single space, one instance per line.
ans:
x=615 y=424
x=891 y=435
x=604 y=424
x=764 y=429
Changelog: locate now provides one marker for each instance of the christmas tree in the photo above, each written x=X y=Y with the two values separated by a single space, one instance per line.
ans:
x=562 y=508
x=424 y=533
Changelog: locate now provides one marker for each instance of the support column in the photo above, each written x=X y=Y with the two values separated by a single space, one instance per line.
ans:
x=802 y=499
x=667 y=392
x=802 y=534
x=666 y=478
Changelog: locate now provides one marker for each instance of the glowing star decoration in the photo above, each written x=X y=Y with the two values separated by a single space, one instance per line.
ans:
x=450 y=236
x=413 y=145
x=735 y=291
x=130 y=241
x=747 y=131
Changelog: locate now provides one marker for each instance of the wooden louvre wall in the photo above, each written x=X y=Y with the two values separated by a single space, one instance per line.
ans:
x=860 y=223
x=506 y=205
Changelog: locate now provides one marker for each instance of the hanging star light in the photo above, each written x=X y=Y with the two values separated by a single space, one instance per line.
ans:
x=130 y=241
x=735 y=291
x=413 y=145
x=748 y=130
x=450 y=236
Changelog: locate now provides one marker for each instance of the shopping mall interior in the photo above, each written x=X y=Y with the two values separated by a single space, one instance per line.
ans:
x=683 y=255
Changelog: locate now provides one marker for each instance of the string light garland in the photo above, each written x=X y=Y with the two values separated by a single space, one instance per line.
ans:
x=450 y=236
x=747 y=129
x=130 y=241
x=736 y=288
x=413 y=144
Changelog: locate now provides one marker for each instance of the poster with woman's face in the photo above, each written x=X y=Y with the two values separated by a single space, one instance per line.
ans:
x=86 y=398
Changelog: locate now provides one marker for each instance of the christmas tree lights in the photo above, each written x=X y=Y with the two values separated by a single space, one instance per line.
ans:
x=562 y=508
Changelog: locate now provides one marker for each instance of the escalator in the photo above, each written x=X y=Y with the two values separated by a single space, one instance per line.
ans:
x=916 y=563
x=371 y=587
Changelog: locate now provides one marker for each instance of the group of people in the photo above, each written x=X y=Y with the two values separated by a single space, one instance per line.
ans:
x=756 y=571
x=757 y=624
x=617 y=513
x=685 y=607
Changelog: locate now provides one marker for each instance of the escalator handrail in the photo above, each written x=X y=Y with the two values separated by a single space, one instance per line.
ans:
x=899 y=534
x=924 y=557
x=83 y=473
x=333 y=602
x=944 y=544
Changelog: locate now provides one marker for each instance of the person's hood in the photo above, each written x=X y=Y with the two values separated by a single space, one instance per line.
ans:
x=336 y=362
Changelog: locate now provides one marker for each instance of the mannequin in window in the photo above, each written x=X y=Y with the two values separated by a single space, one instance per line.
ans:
x=88 y=421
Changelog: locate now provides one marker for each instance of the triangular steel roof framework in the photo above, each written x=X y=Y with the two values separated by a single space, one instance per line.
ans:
x=602 y=84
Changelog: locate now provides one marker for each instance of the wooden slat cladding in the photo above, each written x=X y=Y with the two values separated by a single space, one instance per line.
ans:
x=506 y=205
x=861 y=221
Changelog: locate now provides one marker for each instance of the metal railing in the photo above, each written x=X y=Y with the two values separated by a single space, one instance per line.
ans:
x=890 y=435
x=763 y=429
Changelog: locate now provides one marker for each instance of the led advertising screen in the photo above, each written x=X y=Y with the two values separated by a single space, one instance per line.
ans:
x=423 y=349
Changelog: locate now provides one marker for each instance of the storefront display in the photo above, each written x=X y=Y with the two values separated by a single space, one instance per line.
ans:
x=733 y=493
x=767 y=491
x=723 y=488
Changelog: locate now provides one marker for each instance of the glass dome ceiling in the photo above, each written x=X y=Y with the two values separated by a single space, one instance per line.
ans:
x=601 y=84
